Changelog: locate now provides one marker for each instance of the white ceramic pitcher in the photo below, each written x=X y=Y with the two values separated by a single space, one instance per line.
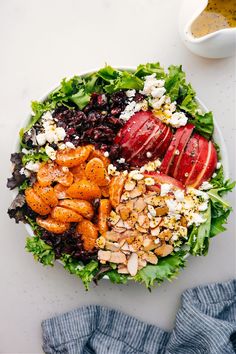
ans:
x=219 y=44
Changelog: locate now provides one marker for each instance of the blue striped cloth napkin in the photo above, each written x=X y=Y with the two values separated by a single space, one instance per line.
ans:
x=205 y=324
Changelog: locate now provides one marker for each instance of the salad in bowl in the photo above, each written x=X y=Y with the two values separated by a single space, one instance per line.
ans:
x=118 y=174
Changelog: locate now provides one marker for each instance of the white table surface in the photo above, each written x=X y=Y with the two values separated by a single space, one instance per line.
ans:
x=42 y=42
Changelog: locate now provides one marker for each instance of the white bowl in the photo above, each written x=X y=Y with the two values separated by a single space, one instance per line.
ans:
x=218 y=137
x=218 y=44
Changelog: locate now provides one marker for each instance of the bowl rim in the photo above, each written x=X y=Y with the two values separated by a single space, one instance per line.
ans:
x=217 y=133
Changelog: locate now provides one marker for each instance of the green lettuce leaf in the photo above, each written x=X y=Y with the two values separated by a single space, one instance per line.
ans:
x=220 y=207
x=204 y=124
x=149 y=69
x=218 y=220
x=85 y=272
x=39 y=156
x=41 y=251
x=115 y=80
x=167 y=268
x=199 y=237
x=117 y=278
x=218 y=180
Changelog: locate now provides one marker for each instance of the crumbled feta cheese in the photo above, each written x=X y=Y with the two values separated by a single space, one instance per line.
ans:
x=178 y=119
x=25 y=151
x=165 y=189
x=70 y=145
x=214 y=175
x=106 y=154
x=171 y=204
x=50 y=135
x=218 y=165
x=47 y=116
x=157 y=103
x=60 y=132
x=196 y=219
x=41 y=139
x=205 y=186
x=32 y=166
x=51 y=152
x=24 y=171
x=62 y=146
x=175 y=237
x=112 y=170
x=157 y=241
x=158 y=92
x=121 y=160
x=149 y=181
x=203 y=206
x=138 y=176
x=130 y=93
x=150 y=83
x=179 y=195
x=149 y=154
x=132 y=108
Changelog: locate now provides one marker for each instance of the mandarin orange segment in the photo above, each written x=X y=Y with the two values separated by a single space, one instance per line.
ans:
x=47 y=194
x=60 y=191
x=89 y=234
x=52 y=225
x=103 y=214
x=115 y=189
x=84 y=189
x=83 y=207
x=100 y=155
x=36 y=203
x=105 y=191
x=73 y=157
x=65 y=215
x=96 y=172
x=79 y=172
x=51 y=172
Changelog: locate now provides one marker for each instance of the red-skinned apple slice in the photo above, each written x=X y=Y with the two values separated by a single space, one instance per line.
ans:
x=165 y=143
x=170 y=153
x=160 y=177
x=139 y=156
x=140 y=139
x=188 y=129
x=132 y=126
x=189 y=157
x=208 y=168
x=153 y=146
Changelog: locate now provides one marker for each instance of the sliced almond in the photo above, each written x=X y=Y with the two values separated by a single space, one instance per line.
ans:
x=130 y=185
x=114 y=218
x=155 y=231
x=150 y=246
x=117 y=257
x=164 y=250
x=150 y=258
x=140 y=228
x=101 y=241
x=125 y=196
x=119 y=230
x=111 y=235
x=125 y=247
x=112 y=246
x=122 y=269
x=141 y=219
x=104 y=255
x=124 y=211
x=141 y=263
x=132 y=264
x=139 y=205
x=155 y=222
